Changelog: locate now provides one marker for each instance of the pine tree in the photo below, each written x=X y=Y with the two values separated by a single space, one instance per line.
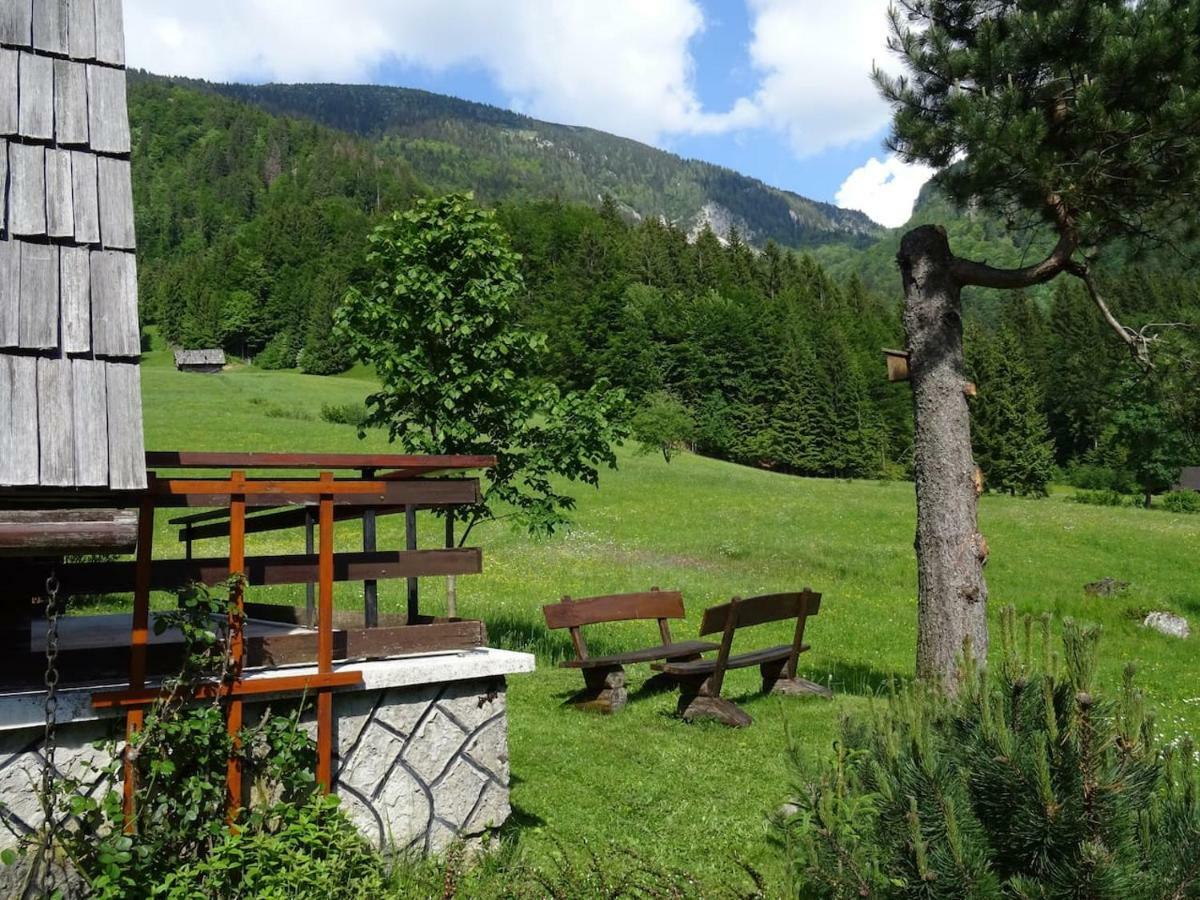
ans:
x=1030 y=784
x=1009 y=432
x=1084 y=364
x=325 y=352
x=856 y=441
x=1080 y=114
x=801 y=418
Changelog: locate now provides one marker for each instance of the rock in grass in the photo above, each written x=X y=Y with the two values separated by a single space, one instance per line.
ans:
x=1168 y=624
x=1105 y=587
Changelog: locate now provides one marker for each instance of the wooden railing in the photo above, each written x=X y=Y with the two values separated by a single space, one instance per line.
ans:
x=248 y=504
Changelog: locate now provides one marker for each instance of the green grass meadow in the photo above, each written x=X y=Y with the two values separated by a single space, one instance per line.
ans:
x=696 y=797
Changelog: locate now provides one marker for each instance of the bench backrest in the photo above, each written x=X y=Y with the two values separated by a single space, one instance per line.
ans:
x=652 y=604
x=760 y=610
x=738 y=613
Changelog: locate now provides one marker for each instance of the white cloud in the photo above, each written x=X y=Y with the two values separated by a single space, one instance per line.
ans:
x=622 y=65
x=815 y=57
x=884 y=189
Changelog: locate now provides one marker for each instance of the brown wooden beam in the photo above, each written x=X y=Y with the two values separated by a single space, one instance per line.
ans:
x=287 y=684
x=205 y=460
x=55 y=532
x=172 y=574
x=450 y=492
x=278 y=492
x=24 y=668
x=368 y=643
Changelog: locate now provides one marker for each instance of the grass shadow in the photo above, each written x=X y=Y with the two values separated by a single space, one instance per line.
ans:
x=518 y=821
x=654 y=686
x=853 y=678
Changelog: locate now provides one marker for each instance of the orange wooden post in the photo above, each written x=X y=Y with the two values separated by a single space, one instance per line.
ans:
x=237 y=614
x=325 y=635
x=138 y=639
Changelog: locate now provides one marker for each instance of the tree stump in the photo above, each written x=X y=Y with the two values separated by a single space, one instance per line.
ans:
x=696 y=701
x=604 y=690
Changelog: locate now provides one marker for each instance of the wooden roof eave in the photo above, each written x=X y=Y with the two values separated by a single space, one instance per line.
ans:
x=57 y=532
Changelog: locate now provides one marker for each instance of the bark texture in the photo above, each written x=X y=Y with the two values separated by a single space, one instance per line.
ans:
x=952 y=593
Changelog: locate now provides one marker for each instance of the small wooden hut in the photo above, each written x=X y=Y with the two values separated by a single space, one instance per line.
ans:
x=205 y=362
x=1189 y=479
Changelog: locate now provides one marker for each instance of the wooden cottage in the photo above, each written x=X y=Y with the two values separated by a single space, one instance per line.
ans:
x=70 y=398
x=202 y=361
x=75 y=477
x=1189 y=479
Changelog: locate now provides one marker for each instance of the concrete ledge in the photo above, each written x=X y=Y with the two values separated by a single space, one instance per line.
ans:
x=25 y=710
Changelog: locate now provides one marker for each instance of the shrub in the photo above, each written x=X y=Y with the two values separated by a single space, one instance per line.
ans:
x=1102 y=498
x=1182 y=502
x=281 y=352
x=1091 y=477
x=275 y=411
x=1027 y=784
x=345 y=414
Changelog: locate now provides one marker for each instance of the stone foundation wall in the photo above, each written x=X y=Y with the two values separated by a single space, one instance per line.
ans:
x=419 y=767
x=416 y=767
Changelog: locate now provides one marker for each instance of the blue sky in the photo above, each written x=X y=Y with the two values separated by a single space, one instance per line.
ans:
x=777 y=89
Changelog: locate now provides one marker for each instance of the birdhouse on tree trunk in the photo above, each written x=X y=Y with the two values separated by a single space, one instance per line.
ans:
x=897 y=365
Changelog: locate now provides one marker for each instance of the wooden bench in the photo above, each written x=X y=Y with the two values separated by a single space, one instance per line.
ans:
x=700 y=680
x=604 y=676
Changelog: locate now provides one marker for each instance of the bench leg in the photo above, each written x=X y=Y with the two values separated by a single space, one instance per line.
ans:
x=696 y=701
x=604 y=692
x=774 y=682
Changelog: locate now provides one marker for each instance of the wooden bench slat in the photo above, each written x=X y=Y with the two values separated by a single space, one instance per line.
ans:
x=649 y=654
x=742 y=661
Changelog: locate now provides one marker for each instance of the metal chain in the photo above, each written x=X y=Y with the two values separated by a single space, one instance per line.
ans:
x=50 y=742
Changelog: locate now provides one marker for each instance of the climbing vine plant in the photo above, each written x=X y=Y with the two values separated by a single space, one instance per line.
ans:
x=290 y=840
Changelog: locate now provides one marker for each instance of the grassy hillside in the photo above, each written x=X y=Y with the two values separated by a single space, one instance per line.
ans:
x=455 y=144
x=695 y=797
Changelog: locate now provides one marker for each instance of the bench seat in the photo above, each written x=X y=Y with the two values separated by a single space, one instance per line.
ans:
x=743 y=661
x=649 y=654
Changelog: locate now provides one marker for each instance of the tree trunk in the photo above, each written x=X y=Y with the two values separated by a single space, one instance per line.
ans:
x=952 y=593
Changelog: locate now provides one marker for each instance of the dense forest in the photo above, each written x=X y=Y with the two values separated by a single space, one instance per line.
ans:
x=252 y=225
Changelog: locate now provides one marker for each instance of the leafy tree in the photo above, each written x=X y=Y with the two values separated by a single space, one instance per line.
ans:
x=459 y=374
x=663 y=425
x=244 y=326
x=1011 y=437
x=1080 y=115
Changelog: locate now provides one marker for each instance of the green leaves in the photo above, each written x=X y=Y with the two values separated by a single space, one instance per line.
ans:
x=459 y=374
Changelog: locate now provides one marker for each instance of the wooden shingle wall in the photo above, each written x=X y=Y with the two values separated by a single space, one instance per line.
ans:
x=70 y=397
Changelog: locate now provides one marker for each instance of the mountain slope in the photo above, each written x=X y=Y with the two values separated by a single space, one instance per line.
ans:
x=453 y=144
